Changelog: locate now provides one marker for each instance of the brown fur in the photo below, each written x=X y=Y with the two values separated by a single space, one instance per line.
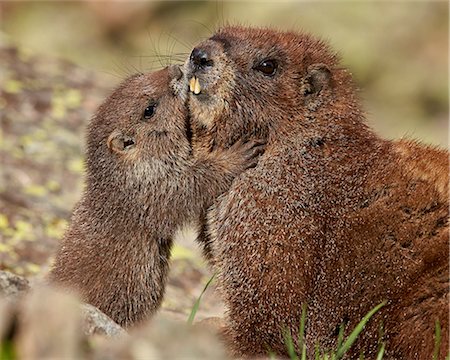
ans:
x=333 y=215
x=117 y=249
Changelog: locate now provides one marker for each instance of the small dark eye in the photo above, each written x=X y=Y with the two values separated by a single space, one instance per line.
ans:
x=267 y=67
x=149 y=111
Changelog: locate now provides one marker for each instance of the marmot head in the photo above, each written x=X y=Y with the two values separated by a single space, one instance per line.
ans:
x=142 y=122
x=248 y=79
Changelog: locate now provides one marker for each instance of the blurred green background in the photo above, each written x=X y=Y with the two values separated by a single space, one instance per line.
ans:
x=58 y=60
x=397 y=51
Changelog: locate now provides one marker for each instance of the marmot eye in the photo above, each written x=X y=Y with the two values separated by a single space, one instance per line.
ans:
x=149 y=111
x=267 y=67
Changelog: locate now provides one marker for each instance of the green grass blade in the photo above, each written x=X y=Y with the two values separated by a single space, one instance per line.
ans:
x=304 y=352
x=380 y=333
x=301 y=335
x=270 y=352
x=351 y=339
x=7 y=351
x=290 y=344
x=437 y=340
x=340 y=336
x=317 y=352
x=197 y=302
x=380 y=352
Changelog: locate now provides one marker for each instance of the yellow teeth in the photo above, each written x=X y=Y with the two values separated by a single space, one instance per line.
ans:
x=194 y=85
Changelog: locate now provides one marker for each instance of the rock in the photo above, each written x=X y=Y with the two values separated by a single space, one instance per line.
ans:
x=162 y=338
x=97 y=323
x=49 y=326
x=49 y=323
x=11 y=284
x=94 y=322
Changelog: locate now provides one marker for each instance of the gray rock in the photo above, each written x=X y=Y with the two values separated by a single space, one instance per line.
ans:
x=163 y=338
x=94 y=322
x=50 y=323
x=97 y=323
x=49 y=326
x=12 y=285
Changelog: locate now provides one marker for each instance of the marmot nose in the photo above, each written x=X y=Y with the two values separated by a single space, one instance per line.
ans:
x=200 y=58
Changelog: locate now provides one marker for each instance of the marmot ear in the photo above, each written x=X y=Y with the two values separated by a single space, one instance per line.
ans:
x=119 y=142
x=318 y=77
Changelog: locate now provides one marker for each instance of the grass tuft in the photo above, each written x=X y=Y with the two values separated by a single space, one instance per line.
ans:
x=301 y=335
x=354 y=334
x=289 y=342
x=317 y=351
x=381 y=352
x=197 y=302
x=340 y=336
x=342 y=346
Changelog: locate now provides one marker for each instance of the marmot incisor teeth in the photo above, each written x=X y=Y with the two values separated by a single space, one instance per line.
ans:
x=141 y=185
x=332 y=216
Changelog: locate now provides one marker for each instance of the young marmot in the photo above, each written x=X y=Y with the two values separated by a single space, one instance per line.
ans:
x=333 y=216
x=141 y=185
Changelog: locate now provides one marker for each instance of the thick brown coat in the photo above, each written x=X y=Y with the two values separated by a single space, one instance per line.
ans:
x=142 y=184
x=332 y=216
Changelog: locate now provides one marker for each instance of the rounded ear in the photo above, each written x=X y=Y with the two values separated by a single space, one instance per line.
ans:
x=119 y=142
x=318 y=77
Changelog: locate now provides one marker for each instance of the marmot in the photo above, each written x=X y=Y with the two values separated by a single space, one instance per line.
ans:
x=142 y=183
x=332 y=216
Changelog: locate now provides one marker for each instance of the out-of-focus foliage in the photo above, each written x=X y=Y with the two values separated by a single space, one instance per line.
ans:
x=45 y=102
x=397 y=51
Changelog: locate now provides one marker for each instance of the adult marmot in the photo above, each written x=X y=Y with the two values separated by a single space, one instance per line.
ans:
x=332 y=216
